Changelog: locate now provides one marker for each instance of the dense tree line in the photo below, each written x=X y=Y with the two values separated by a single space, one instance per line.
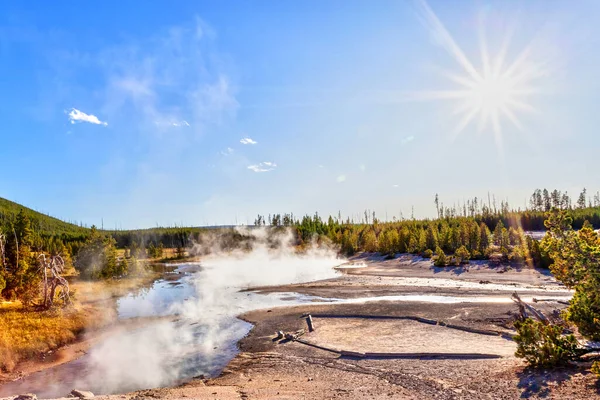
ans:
x=474 y=230
x=26 y=248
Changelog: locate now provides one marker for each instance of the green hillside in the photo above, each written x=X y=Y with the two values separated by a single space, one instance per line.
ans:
x=41 y=223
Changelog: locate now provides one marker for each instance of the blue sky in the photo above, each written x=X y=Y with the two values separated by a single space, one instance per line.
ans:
x=134 y=113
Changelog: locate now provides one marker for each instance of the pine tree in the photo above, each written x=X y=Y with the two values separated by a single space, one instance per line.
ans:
x=431 y=240
x=497 y=235
x=485 y=238
x=581 y=200
x=462 y=255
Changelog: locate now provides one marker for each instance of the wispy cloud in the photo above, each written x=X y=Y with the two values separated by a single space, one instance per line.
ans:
x=408 y=139
x=341 y=178
x=227 y=151
x=248 y=140
x=171 y=80
x=265 y=166
x=76 y=116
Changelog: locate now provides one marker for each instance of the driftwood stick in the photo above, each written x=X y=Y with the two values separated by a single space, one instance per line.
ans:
x=526 y=309
x=309 y=322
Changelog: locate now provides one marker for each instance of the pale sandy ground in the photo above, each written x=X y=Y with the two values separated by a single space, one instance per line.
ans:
x=404 y=336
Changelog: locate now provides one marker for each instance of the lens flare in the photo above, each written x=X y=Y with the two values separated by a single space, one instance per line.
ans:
x=498 y=90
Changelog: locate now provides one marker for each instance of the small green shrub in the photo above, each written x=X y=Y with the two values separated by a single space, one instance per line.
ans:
x=584 y=310
x=428 y=253
x=462 y=255
x=596 y=368
x=544 y=345
x=476 y=255
x=440 y=260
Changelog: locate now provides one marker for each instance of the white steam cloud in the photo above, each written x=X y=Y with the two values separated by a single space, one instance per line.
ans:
x=203 y=339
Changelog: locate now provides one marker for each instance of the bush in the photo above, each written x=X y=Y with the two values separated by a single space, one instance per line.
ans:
x=596 y=368
x=427 y=253
x=462 y=255
x=440 y=260
x=544 y=345
x=476 y=255
x=584 y=311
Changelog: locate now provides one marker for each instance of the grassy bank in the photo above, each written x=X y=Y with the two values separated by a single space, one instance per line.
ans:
x=28 y=335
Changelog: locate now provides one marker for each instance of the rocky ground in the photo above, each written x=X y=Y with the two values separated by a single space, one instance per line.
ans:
x=458 y=364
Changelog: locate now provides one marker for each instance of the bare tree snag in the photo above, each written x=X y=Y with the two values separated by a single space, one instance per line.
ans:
x=56 y=265
x=2 y=245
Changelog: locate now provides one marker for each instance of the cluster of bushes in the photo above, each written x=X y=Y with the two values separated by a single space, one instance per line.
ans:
x=575 y=256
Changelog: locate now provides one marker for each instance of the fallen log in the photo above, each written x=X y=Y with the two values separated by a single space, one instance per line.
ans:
x=551 y=301
x=487 y=332
x=358 y=354
x=354 y=354
x=453 y=356
x=329 y=349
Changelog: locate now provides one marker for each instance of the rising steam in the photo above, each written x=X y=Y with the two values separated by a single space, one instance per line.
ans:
x=204 y=338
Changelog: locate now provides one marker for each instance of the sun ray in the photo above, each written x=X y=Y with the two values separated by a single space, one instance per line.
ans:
x=502 y=54
x=517 y=63
x=461 y=80
x=447 y=41
x=497 y=132
x=512 y=118
x=485 y=60
x=440 y=94
x=522 y=106
x=464 y=122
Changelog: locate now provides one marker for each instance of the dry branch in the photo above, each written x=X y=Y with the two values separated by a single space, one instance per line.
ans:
x=527 y=310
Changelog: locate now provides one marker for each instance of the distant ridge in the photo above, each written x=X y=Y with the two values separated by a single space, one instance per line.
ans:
x=42 y=223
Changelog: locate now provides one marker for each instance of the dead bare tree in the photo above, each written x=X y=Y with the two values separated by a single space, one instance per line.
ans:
x=17 y=244
x=56 y=265
x=2 y=244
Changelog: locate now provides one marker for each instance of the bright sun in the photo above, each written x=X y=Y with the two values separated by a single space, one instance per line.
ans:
x=495 y=91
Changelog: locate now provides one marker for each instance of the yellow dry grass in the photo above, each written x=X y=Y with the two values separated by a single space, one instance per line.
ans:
x=25 y=334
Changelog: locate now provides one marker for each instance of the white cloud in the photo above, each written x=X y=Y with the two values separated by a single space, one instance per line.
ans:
x=395 y=186
x=180 y=123
x=362 y=167
x=227 y=151
x=341 y=178
x=79 y=116
x=265 y=166
x=408 y=139
x=248 y=141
